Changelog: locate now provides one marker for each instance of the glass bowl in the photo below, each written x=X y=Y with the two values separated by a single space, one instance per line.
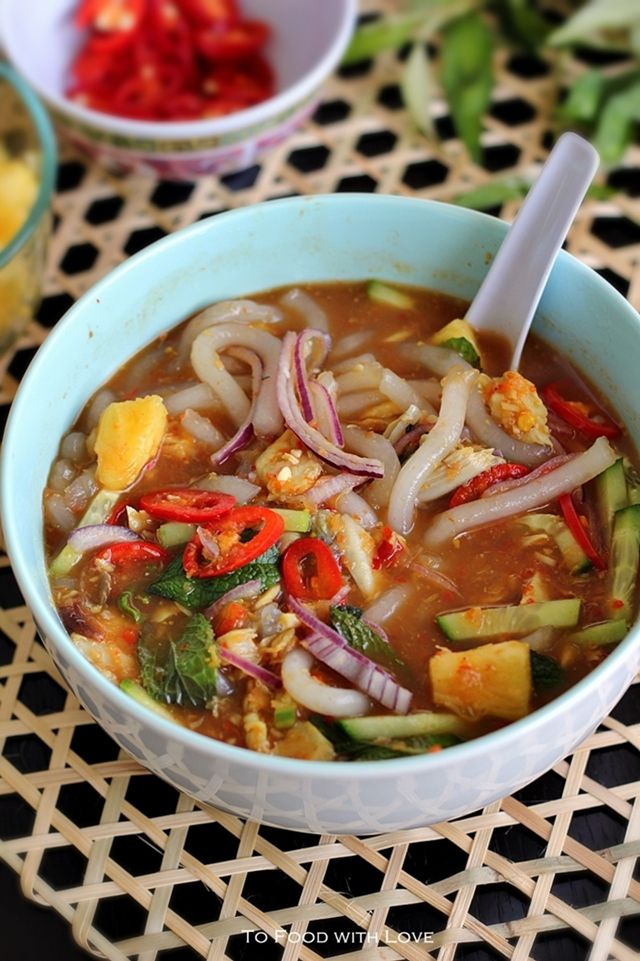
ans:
x=28 y=150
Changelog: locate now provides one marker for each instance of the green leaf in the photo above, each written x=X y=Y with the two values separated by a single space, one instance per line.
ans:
x=493 y=194
x=593 y=17
x=386 y=33
x=617 y=122
x=126 y=605
x=467 y=76
x=523 y=23
x=584 y=98
x=181 y=673
x=464 y=348
x=417 y=88
x=199 y=592
x=546 y=673
x=348 y=622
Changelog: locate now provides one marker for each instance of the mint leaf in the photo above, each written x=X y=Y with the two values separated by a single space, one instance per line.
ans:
x=198 y=592
x=546 y=674
x=181 y=673
x=348 y=622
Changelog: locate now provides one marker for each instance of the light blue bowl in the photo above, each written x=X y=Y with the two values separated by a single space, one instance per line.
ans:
x=342 y=237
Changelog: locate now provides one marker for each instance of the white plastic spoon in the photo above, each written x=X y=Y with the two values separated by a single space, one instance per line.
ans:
x=509 y=295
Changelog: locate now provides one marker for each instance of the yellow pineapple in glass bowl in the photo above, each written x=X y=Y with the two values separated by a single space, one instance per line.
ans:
x=27 y=172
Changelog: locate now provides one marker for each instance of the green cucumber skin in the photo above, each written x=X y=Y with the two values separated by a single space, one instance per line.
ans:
x=138 y=693
x=520 y=619
x=625 y=558
x=396 y=726
x=600 y=635
x=611 y=495
x=384 y=294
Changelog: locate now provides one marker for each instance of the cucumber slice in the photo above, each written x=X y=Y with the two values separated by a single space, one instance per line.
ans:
x=625 y=556
x=600 y=635
x=477 y=623
x=284 y=717
x=175 y=532
x=138 y=693
x=96 y=513
x=384 y=294
x=611 y=495
x=552 y=525
x=393 y=725
x=535 y=590
x=295 y=521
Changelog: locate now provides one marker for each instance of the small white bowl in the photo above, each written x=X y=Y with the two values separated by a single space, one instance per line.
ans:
x=308 y=40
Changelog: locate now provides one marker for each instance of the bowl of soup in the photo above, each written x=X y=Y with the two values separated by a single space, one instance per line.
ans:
x=303 y=42
x=299 y=540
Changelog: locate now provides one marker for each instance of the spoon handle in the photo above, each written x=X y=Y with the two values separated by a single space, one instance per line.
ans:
x=509 y=294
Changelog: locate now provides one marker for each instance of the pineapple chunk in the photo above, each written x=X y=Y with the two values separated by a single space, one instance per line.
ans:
x=513 y=401
x=494 y=679
x=286 y=468
x=305 y=741
x=129 y=435
x=18 y=190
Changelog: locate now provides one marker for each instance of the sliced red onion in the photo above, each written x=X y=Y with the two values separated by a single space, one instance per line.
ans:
x=541 y=490
x=309 y=436
x=240 y=488
x=304 y=340
x=244 y=434
x=361 y=671
x=330 y=486
x=340 y=595
x=332 y=649
x=325 y=413
x=253 y=670
x=376 y=628
x=248 y=589
x=516 y=482
x=99 y=535
x=411 y=437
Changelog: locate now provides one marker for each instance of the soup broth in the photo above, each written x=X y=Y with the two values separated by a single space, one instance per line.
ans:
x=325 y=523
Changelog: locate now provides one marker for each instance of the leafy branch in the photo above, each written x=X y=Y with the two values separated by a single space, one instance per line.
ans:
x=606 y=108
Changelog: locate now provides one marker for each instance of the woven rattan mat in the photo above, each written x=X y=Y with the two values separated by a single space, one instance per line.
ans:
x=139 y=871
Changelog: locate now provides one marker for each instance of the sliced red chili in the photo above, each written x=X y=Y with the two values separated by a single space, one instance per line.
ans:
x=475 y=487
x=388 y=549
x=219 y=547
x=573 y=412
x=124 y=552
x=189 y=504
x=310 y=570
x=208 y=11
x=239 y=42
x=575 y=525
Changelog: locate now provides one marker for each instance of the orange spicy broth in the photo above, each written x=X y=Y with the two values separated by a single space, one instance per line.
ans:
x=488 y=566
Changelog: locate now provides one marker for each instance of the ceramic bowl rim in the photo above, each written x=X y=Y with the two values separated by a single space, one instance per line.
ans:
x=270 y=109
x=45 y=615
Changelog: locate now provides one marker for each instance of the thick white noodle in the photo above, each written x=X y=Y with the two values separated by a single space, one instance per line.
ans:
x=226 y=311
x=482 y=425
x=315 y=695
x=356 y=506
x=352 y=404
x=267 y=420
x=388 y=603
x=360 y=377
x=311 y=312
x=196 y=397
x=201 y=428
x=543 y=489
x=351 y=342
x=442 y=439
x=370 y=444
x=401 y=393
